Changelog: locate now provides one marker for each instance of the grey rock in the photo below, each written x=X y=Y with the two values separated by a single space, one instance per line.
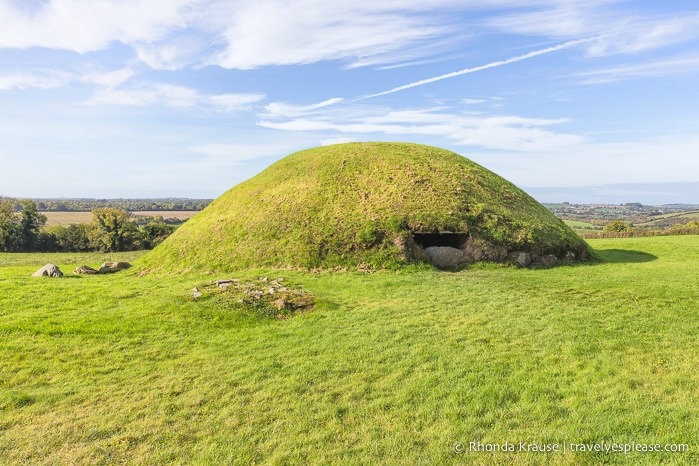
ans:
x=111 y=267
x=477 y=250
x=49 y=270
x=548 y=260
x=524 y=259
x=84 y=270
x=444 y=257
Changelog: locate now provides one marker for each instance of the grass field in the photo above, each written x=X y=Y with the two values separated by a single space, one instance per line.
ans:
x=181 y=214
x=67 y=218
x=390 y=368
x=582 y=227
x=683 y=217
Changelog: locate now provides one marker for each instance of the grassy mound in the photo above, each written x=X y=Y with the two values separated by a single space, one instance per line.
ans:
x=367 y=204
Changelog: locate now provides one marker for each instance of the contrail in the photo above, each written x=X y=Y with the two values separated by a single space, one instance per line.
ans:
x=494 y=64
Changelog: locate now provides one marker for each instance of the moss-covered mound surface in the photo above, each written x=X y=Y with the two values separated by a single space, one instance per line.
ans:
x=368 y=205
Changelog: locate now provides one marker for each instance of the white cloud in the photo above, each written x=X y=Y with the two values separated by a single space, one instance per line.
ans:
x=636 y=35
x=43 y=79
x=172 y=34
x=52 y=79
x=174 y=53
x=89 y=25
x=501 y=132
x=164 y=94
x=670 y=67
x=552 y=19
x=614 y=32
x=172 y=96
x=487 y=66
x=276 y=32
x=283 y=109
x=108 y=79
x=230 y=102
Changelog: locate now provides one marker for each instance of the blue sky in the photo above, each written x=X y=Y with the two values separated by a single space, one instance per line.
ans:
x=572 y=100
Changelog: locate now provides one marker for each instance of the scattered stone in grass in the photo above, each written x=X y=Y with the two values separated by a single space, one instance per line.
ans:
x=264 y=297
x=280 y=304
x=84 y=270
x=111 y=267
x=366 y=268
x=49 y=270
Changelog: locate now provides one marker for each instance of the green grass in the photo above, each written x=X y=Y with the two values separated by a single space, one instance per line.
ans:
x=390 y=368
x=67 y=261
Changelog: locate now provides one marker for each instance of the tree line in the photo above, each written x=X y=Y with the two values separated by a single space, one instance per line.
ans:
x=130 y=205
x=621 y=229
x=23 y=229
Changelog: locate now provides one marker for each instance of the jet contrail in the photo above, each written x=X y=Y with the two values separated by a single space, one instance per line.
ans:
x=494 y=64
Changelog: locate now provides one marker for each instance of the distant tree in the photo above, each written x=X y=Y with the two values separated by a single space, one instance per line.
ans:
x=47 y=240
x=30 y=225
x=71 y=238
x=690 y=224
x=9 y=225
x=111 y=230
x=155 y=233
x=617 y=225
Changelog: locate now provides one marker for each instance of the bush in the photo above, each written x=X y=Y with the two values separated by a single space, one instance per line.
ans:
x=617 y=225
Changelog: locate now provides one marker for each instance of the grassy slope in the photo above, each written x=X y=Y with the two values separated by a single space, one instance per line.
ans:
x=391 y=368
x=345 y=204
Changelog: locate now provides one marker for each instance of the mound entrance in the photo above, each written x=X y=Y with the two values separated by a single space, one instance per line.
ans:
x=441 y=239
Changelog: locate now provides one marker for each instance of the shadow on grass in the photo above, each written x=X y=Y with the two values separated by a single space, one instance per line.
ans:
x=623 y=256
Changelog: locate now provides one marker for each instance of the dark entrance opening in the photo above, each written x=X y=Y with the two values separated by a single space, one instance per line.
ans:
x=453 y=240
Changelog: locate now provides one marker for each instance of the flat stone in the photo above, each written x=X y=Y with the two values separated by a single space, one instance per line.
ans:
x=111 y=267
x=84 y=270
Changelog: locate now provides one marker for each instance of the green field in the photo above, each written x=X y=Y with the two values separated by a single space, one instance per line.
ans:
x=682 y=217
x=582 y=227
x=67 y=218
x=390 y=368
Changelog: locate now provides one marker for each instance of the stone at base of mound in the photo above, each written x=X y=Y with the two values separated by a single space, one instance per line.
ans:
x=49 y=270
x=444 y=257
x=111 y=267
x=474 y=250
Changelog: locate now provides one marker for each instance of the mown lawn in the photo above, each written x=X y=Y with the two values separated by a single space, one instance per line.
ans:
x=391 y=368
